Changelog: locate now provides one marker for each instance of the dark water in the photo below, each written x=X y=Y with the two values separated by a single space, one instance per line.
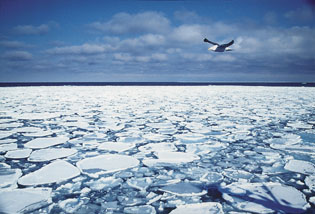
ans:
x=287 y=84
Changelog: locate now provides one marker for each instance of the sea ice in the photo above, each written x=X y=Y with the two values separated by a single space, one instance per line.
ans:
x=106 y=164
x=4 y=134
x=41 y=143
x=310 y=182
x=156 y=147
x=204 y=208
x=191 y=138
x=184 y=189
x=266 y=197
x=49 y=154
x=144 y=209
x=41 y=133
x=9 y=177
x=140 y=183
x=24 y=200
x=104 y=183
x=28 y=129
x=168 y=158
x=7 y=147
x=54 y=172
x=300 y=166
x=18 y=154
x=70 y=205
x=116 y=146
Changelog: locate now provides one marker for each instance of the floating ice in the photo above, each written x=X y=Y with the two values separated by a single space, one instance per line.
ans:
x=50 y=154
x=204 y=208
x=41 y=133
x=7 y=147
x=144 y=209
x=7 y=141
x=70 y=205
x=24 y=200
x=155 y=137
x=184 y=189
x=169 y=158
x=106 y=164
x=9 y=177
x=28 y=129
x=156 y=147
x=116 y=146
x=265 y=197
x=18 y=154
x=104 y=183
x=204 y=148
x=10 y=125
x=4 y=134
x=56 y=171
x=300 y=166
x=191 y=138
x=310 y=182
x=140 y=183
x=41 y=143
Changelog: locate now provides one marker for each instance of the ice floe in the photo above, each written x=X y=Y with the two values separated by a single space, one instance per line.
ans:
x=41 y=143
x=204 y=208
x=18 y=154
x=184 y=189
x=116 y=146
x=54 y=172
x=24 y=200
x=42 y=155
x=300 y=166
x=106 y=164
x=310 y=182
x=7 y=147
x=144 y=209
x=265 y=197
x=104 y=183
x=9 y=177
x=170 y=158
x=70 y=205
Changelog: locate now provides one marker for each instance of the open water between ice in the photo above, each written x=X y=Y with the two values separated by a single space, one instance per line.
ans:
x=157 y=149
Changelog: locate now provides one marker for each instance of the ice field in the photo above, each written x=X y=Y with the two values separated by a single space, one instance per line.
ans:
x=154 y=149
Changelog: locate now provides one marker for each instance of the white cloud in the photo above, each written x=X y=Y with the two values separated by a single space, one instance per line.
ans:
x=31 y=30
x=301 y=14
x=125 y=23
x=13 y=44
x=17 y=55
x=85 y=49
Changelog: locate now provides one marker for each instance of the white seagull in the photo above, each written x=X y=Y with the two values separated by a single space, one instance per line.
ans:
x=219 y=48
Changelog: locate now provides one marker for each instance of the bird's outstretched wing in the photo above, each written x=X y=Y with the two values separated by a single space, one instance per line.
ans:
x=206 y=40
x=228 y=44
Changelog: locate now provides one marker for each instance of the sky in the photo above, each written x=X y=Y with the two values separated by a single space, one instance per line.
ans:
x=156 y=40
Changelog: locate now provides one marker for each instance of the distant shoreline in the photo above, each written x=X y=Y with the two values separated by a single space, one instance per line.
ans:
x=279 y=84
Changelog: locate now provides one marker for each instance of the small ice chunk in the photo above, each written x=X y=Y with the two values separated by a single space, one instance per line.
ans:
x=54 y=172
x=140 y=183
x=50 y=154
x=204 y=208
x=106 y=164
x=191 y=138
x=70 y=205
x=104 y=183
x=10 y=125
x=184 y=189
x=144 y=209
x=18 y=154
x=9 y=177
x=6 y=141
x=28 y=129
x=116 y=146
x=212 y=178
x=4 y=134
x=155 y=147
x=237 y=174
x=300 y=166
x=40 y=133
x=167 y=158
x=7 y=147
x=41 y=143
x=24 y=200
x=310 y=182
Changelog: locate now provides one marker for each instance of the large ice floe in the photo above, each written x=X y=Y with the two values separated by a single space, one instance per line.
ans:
x=157 y=150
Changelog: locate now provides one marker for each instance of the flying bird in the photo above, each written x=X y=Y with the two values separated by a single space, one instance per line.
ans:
x=219 y=48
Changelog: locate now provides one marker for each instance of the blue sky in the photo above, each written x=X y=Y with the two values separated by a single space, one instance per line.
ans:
x=126 y=40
